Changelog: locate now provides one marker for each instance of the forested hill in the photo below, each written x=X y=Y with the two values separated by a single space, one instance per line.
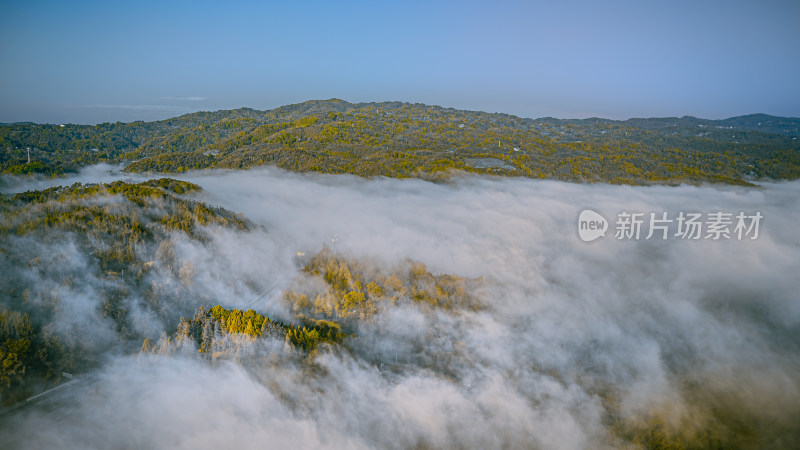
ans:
x=415 y=140
x=83 y=265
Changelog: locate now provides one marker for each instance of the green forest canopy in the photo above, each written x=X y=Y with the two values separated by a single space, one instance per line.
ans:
x=414 y=140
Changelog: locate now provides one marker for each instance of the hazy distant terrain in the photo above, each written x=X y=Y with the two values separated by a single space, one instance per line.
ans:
x=267 y=308
x=414 y=140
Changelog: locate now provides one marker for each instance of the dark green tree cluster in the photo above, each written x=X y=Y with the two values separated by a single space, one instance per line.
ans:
x=30 y=355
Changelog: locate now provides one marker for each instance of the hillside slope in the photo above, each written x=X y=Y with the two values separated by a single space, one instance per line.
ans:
x=414 y=140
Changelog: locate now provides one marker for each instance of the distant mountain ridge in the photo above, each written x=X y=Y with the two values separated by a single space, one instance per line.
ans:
x=399 y=139
x=765 y=123
x=751 y=122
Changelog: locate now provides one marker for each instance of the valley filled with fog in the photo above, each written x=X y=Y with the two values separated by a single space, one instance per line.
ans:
x=560 y=343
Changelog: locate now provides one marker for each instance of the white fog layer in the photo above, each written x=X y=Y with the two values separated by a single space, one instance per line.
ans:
x=671 y=328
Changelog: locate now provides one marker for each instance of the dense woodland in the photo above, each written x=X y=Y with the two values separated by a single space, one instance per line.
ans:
x=414 y=140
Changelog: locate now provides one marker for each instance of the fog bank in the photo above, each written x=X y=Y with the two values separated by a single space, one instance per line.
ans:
x=652 y=330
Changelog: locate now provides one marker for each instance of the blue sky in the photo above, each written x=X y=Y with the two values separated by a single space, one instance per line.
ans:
x=89 y=62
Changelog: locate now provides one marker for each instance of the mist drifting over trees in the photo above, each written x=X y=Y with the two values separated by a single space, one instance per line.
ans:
x=466 y=313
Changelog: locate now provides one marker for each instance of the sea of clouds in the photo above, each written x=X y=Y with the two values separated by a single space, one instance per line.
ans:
x=659 y=325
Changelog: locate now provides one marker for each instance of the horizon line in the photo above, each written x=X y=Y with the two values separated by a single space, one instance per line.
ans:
x=686 y=116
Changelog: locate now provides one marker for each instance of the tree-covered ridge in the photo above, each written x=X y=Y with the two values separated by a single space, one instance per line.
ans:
x=355 y=290
x=57 y=149
x=208 y=328
x=69 y=208
x=27 y=353
x=401 y=140
x=414 y=140
x=112 y=243
x=155 y=188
